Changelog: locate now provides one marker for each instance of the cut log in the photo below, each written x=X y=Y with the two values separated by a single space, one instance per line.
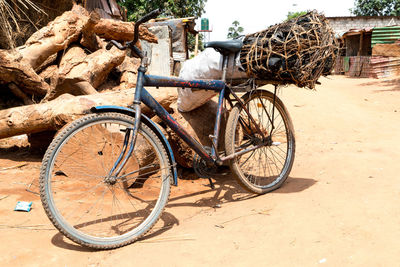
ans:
x=80 y=74
x=56 y=36
x=129 y=68
x=119 y=30
x=89 y=39
x=15 y=69
x=54 y=114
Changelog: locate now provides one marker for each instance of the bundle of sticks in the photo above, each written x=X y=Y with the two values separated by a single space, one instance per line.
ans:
x=297 y=51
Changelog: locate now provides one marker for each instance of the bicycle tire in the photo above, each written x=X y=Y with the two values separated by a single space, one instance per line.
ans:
x=73 y=179
x=266 y=168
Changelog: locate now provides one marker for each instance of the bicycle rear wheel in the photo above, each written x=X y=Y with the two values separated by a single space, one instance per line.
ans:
x=84 y=202
x=266 y=168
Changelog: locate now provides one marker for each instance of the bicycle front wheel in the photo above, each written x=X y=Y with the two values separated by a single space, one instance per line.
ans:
x=266 y=168
x=84 y=202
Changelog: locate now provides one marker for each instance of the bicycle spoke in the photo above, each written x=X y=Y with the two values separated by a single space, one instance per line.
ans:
x=266 y=166
x=89 y=202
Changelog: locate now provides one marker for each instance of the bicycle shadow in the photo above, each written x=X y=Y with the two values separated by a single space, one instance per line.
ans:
x=226 y=191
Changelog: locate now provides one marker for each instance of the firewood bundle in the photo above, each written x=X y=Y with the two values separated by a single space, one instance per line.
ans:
x=297 y=51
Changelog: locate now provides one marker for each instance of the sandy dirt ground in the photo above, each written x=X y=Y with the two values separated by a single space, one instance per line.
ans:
x=339 y=207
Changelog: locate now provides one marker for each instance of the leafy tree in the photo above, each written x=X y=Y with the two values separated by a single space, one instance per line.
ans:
x=376 y=8
x=292 y=15
x=173 y=8
x=169 y=8
x=235 y=30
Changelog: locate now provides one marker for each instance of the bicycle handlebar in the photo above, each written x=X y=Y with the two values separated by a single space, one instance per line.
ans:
x=116 y=44
x=152 y=15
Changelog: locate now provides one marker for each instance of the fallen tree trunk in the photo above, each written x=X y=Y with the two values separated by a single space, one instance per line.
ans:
x=54 y=114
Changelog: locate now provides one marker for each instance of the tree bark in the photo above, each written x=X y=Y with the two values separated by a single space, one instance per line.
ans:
x=15 y=69
x=119 y=30
x=54 y=114
x=20 y=94
x=56 y=36
x=80 y=74
x=129 y=70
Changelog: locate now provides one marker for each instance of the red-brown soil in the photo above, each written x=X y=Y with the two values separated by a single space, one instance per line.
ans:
x=339 y=207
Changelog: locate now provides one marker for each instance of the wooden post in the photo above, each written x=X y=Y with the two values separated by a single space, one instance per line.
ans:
x=196 y=47
x=361 y=44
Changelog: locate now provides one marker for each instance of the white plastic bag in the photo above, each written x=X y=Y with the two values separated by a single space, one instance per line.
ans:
x=205 y=66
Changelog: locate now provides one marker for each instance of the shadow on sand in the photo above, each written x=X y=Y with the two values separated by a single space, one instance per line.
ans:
x=226 y=191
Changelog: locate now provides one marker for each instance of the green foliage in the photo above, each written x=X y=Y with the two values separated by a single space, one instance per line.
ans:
x=235 y=30
x=169 y=8
x=191 y=42
x=376 y=8
x=292 y=15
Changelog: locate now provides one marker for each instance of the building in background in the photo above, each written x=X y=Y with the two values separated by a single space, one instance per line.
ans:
x=369 y=45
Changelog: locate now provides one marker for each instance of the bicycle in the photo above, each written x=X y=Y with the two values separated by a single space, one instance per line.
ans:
x=106 y=177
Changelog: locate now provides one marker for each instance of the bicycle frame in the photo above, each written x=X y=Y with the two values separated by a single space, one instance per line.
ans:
x=143 y=96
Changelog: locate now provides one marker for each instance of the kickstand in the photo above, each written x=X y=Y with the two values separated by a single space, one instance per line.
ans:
x=211 y=183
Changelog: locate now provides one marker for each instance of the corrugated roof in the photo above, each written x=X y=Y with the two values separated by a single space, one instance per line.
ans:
x=385 y=35
x=363 y=17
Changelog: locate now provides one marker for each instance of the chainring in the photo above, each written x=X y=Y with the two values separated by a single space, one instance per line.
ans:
x=200 y=167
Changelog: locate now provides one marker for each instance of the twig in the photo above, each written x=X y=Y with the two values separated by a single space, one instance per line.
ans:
x=4 y=197
x=167 y=239
x=26 y=227
x=264 y=212
x=14 y=167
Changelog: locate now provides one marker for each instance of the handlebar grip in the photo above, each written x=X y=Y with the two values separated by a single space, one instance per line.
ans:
x=152 y=15
x=118 y=45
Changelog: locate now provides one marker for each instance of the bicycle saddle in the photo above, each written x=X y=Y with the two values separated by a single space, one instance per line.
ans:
x=226 y=47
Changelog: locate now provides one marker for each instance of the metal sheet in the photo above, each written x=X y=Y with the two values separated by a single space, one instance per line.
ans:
x=385 y=35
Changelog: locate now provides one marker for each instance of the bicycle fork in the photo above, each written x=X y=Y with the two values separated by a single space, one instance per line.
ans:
x=129 y=138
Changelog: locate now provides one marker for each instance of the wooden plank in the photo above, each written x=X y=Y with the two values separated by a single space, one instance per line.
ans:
x=161 y=53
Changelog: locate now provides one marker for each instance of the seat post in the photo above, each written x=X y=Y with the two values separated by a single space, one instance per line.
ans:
x=224 y=67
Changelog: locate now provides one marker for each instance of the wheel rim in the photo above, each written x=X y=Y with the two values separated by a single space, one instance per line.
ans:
x=266 y=166
x=87 y=205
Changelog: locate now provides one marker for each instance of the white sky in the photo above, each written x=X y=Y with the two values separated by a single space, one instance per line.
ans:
x=256 y=15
